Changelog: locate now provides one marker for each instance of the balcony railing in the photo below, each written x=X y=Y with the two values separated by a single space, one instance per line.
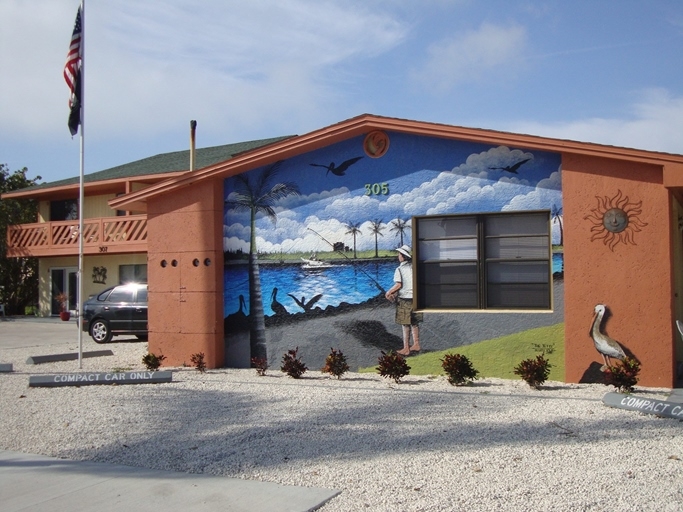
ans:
x=100 y=236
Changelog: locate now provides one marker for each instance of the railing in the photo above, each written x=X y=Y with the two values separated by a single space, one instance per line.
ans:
x=101 y=235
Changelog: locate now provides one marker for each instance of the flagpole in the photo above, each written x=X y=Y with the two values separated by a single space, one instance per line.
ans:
x=81 y=195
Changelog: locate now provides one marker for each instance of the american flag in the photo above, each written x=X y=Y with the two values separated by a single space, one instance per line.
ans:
x=72 y=72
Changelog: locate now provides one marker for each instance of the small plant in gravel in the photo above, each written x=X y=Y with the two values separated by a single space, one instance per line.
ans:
x=335 y=364
x=292 y=364
x=152 y=362
x=198 y=361
x=534 y=371
x=624 y=375
x=260 y=364
x=393 y=365
x=459 y=369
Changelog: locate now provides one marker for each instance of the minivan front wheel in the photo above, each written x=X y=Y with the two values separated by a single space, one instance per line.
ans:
x=100 y=331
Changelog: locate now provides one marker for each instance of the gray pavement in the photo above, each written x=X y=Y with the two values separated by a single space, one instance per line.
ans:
x=37 y=483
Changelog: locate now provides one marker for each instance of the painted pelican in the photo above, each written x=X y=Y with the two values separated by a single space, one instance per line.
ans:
x=607 y=347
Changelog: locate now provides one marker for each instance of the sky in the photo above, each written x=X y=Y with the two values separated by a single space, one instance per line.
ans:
x=604 y=71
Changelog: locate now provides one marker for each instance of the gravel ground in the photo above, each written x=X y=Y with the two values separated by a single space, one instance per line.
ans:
x=421 y=445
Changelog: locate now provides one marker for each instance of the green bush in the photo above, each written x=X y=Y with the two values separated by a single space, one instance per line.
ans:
x=624 y=375
x=261 y=365
x=292 y=364
x=335 y=364
x=393 y=365
x=534 y=371
x=198 y=362
x=459 y=369
x=153 y=362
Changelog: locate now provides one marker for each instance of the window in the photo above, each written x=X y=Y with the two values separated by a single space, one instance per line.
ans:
x=484 y=261
x=64 y=210
x=132 y=273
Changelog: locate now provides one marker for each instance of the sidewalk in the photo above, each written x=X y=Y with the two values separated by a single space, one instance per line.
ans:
x=37 y=483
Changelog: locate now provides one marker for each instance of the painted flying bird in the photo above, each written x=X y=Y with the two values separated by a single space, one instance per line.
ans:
x=606 y=346
x=511 y=168
x=306 y=306
x=341 y=170
x=278 y=308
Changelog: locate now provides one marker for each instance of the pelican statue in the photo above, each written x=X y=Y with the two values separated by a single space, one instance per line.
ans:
x=278 y=308
x=607 y=347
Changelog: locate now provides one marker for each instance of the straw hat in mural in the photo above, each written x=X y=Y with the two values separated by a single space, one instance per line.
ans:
x=405 y=250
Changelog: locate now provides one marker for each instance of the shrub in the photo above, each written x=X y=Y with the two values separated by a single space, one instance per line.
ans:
x=198 y=362
x=624 y=375
x=152 y=362
x=534 y=371
x=335 y=364
x=261 y=365
x=292 y=365
x=393 y=365
x=459 y=369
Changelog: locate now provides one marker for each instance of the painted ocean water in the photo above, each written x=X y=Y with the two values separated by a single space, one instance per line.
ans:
x=348 y=282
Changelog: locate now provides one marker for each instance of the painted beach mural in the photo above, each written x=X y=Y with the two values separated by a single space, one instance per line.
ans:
x=310 y=243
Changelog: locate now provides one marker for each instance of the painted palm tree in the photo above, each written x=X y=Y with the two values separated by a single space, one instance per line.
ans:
x=556 y=214
x=400 y=226
x=258 y=196
x=353 y=228
x=376 y=229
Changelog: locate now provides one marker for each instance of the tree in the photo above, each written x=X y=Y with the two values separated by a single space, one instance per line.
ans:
x=18 y=276
x=376 y=229
x=556 y=214
x=399 y=225
x=353 y=228
x=258 y=197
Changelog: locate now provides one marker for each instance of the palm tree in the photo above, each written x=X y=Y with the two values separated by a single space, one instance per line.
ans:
x=259 y=197
x=376 y=229
x=353 y=228
x=556 y=214
x=400 y=226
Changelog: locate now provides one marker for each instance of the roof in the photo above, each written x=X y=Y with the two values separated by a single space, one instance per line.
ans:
x=366 y=123
x=165 y=163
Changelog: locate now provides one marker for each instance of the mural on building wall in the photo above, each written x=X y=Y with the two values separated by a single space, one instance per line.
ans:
x=310 y=242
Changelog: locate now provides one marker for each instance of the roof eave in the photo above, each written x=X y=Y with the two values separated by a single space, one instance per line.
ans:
x=366 y=123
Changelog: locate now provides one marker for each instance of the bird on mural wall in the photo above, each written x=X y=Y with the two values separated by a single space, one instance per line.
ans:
x=278 y=308
x=341 y=169
x=606 y=346
x=306 y=306
x=511 y=168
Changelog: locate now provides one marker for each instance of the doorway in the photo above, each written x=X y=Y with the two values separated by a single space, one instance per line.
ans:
x=63 y=280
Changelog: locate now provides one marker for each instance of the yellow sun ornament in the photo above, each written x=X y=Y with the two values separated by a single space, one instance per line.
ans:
x=615 y=220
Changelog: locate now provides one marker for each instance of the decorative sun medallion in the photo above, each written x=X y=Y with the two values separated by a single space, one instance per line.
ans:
x=376 y=144
x=615 y=220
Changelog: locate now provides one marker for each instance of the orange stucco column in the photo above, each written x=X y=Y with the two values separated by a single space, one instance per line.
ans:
x=630 y=272
x=185 y=274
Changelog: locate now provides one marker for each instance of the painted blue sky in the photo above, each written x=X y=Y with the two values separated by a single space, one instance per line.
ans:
x=602 y=72
x=423 y=177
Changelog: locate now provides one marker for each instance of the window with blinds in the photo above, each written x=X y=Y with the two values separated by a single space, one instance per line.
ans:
x=483 y=261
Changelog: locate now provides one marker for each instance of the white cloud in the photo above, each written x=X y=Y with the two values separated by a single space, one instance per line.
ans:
x=654 y=123
x=471 y=56
x=155 y=64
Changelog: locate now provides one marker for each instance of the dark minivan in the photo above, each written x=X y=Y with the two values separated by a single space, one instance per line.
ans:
x=117 y=310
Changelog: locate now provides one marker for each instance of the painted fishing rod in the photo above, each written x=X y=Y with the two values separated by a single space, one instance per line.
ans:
x=374 y=281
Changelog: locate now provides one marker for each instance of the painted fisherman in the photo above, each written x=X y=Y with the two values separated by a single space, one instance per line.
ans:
x=402 y=294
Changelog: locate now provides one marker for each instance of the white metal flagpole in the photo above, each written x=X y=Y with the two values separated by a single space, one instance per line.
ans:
x=81 y=195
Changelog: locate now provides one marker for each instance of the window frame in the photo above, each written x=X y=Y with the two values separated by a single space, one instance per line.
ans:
x=475 y=261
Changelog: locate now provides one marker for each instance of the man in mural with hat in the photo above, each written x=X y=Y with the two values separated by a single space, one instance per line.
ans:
x=402 y=294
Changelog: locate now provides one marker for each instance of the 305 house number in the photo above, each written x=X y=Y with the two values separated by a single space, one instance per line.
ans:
x=376 y=189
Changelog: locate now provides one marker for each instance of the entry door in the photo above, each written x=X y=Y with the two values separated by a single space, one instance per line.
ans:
x=64 y=280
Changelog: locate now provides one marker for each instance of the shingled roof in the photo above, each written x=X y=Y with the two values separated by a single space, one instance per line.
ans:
x=176 y=161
